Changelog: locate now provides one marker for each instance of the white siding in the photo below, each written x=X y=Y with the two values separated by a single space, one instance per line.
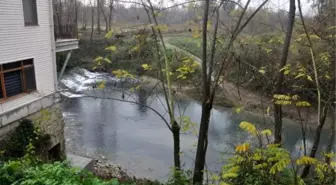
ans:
x=18 y=42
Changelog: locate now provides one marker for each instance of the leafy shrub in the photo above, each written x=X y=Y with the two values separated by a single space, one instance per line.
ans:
x=20 y=173
x=269 y=164
x=23 y=135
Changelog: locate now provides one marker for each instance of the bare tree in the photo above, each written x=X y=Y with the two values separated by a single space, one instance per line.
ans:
x=92 y=20
x=209 y=86
x=280 y=78
x=98 y=16
x=110 y=5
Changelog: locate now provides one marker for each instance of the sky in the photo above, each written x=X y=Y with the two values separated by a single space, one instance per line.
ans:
x=272 y=4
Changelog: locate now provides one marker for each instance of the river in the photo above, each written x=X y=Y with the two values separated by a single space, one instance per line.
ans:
x=137 y=138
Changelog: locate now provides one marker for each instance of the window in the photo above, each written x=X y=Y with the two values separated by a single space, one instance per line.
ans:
x=17 y=78
x=29 y=12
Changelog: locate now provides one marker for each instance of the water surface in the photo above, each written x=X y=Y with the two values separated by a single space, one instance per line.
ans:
x=137 y=138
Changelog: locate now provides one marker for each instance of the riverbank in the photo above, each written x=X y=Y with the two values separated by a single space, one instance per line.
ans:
x=242 y=100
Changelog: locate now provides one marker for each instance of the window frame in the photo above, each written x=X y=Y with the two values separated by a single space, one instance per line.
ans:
x=24 y=20
x=23 y=79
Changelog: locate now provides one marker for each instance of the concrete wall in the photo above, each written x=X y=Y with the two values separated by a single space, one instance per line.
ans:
x=46 y=112
x=18 y=42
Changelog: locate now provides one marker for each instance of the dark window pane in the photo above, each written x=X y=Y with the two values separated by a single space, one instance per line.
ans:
x=28 y=62
x=13 y=83
x=29 y=12
x=1 y=94
x=29 y=74
x=11 y=65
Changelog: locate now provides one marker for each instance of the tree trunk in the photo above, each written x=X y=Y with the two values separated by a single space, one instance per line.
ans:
x=316 y=143
x=280 y=78
x=110 y=15
x=331 y=138
x=84 y=15
x=202 y=144
x=98 y=16
x=176 y=137
x=75 y=32
x=206 y=107
x=101 y=5
x=92 y=23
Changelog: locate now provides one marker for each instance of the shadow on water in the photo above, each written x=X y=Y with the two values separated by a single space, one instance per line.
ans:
x=137 y=139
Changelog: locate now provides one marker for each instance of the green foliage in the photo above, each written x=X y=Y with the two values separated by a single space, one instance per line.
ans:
x=22 y=173
x=179 y=177
x=24 y=135
x=270 y=165
x=191 y=45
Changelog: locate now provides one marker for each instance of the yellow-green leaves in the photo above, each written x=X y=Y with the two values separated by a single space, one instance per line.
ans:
x=280 y=165
x=266 y=132
x=109 y=34
x=101 y=85
x=306 y=160
x=197 y=33
x=286 y=69
x=186 y=124
x=146 y=67
x=189 y=66
x=122 y=74
x=303 y=104
x=282 y=99
x=238 y=109
x=98 y=59
x=111 y=48
x=107 y=60
x=161 y=27
x=314 y=37
x=248 y=127
x=262 y=70
x=243 y=147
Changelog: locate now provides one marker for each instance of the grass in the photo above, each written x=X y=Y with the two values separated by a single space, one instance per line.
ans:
x=189 y=44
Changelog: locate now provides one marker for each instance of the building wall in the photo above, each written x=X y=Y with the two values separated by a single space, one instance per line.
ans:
x=18 y=42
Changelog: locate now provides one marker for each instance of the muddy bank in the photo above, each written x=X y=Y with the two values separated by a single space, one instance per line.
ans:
x=251 y=103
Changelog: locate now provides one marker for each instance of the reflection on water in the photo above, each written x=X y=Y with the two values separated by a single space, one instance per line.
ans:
x=136 y=137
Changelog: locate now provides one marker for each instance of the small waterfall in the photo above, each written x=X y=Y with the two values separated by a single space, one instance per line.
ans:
x=77 y=81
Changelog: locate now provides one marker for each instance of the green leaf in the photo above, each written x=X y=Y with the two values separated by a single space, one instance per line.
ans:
x=262 y=71
x=250 y=128
x=114 y=182
x=111 y=48
x=146 y=67
x=306 y=160
x=266 y=132
x=107 y=60
x=238 y=109
x=309 y=78
x=109 y=34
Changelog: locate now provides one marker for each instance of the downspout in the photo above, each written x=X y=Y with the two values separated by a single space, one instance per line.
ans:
x=52 y=42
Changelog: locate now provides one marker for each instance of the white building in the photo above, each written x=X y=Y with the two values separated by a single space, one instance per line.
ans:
x=28 y=77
